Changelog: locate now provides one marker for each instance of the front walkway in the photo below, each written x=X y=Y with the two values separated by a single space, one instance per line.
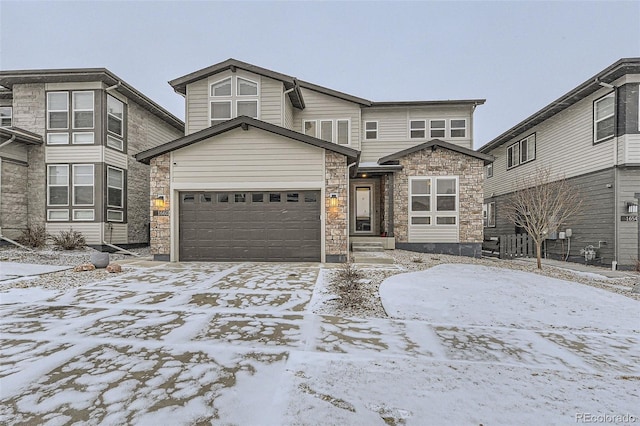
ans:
x=236 y=344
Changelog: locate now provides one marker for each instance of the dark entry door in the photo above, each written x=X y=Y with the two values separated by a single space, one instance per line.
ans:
x=253 y=226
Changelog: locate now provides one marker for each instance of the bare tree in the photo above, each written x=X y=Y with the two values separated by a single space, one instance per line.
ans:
x=542 y=205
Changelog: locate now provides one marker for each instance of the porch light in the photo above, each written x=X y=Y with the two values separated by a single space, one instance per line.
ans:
x=158 y=202
x=333 y=200
x=632 y=208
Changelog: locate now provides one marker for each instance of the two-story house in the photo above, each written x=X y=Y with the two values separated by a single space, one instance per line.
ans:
x=591 y=137
x=67 y=139
x=276 y=168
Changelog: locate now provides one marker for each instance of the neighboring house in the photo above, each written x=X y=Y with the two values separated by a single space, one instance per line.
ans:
x=275 y=168
x=66 y=154
x=591 y=137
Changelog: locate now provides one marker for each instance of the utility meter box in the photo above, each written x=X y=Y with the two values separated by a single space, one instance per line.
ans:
x=561 y=235
x=568 y=232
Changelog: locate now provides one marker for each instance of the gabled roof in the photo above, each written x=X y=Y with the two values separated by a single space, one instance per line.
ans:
x=244 y=122
x=180 y=84
x=20 y=135
x=607 y=76
x=334 y=93
x=433 y=144
x=472 y=102
x=72 y=75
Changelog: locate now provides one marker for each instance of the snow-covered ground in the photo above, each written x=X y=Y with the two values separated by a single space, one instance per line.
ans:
x=241 y=344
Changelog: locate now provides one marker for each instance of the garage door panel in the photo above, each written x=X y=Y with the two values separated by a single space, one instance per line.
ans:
x=259 y=226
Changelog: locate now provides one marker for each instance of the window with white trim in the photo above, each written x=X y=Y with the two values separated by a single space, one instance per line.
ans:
x=417 y=129
x=233 y=97
x=458 y=128
x=310 y=128
x=6 y=116
x=371 y=130
x=115 y=143
x=528 y=149
x=513 y=155
x=489 y=171
x=489 y=215
x=603 y=118
x=58 y=185
x=437 y=128
x=82 y=105
x=83 y=214
x=433 y=200
x=342 y=132
x=338 y=130
x=54 y=215
x=83 y=185
x=57 y=138
x=57 y=110
x=115 y=187
x=326 y=130
x=84 y=138
x=115 y=216
x=115 y=116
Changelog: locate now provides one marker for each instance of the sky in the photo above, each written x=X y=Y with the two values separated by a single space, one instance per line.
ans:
x=519 y=56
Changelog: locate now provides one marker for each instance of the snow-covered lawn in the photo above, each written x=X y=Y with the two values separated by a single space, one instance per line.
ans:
x=241 y=344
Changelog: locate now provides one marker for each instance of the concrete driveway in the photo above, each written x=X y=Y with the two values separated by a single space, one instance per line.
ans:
x=236 y=344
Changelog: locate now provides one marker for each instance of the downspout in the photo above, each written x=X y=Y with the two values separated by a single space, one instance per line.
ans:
x=5 y=143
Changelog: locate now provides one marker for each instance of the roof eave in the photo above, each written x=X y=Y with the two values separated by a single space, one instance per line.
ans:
x=487 y=159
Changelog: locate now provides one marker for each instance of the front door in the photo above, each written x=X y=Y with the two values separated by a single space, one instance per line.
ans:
x=364 y=208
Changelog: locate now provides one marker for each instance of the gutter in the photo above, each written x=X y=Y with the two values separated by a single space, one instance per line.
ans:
x=5 y=143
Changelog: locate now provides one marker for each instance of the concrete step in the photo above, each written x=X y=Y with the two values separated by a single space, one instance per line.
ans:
x=371 y=258
x=367 y=247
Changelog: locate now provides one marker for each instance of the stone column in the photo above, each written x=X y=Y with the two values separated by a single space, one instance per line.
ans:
x=160 y=217
x=337 y=218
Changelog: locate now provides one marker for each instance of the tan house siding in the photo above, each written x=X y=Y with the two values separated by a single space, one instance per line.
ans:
x=393 y=128
x=442 y=162
x=337 y=218
x=270 y=100
x=197 y=101
x=248 y=159
x=288 y=113
x=320 y=106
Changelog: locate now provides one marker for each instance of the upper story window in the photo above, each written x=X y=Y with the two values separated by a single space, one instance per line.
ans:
x=115 y=187
x=437 y=128
x=6 y=116
x=82 y=105
x=417 y=129
x=329 y=130
x=458 y=128
x=371 y=130
x=522 y=151
x=115 y=116
x=489 y=170
x=58 y=110
x=233 y=97
x=603 y=118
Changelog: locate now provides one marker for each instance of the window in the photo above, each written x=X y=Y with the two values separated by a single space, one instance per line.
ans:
x=220 y=112
x=83 y=184
x=6 y=116
x=115 y=116
x=274 y=197
x=115 y=143
x=490 y=170
x=115 y=216
x=528 y=149
x=57 y=110
x=437 y=128
x=513 y=155
x=81 y=215
x=82 y=138
x=310 y=128
x=293 y=197
x=491 y=215
x=257 y=197
x=82 y=110
x=57 y=138
x=603 y=118
x=417 y=129
x=233 y=97
x=521 y=152
x=223 y=198
x=433 y=200
x=239 y=198
x=326 y=130
x=458 y=128
x=115 y=187
x=57 y=215
x=58 y=185
x=342 y=132
x=371 y=130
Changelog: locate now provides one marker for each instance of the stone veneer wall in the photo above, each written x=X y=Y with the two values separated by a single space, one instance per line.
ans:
x=13 y=202
x=144 y=131
x=29 y=114
x=442 y=162
x=337 y=218
x=160 y=225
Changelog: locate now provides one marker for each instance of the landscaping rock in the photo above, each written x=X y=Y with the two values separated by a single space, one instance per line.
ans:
x=114 y=268
x=84 y=267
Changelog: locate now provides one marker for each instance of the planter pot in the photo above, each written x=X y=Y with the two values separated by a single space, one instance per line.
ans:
x=100 y=260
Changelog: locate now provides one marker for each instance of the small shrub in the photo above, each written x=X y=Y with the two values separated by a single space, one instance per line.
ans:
x=68 y=240
x=34 y=236
x=637 y=265
x=346 y=281
x=417 y=259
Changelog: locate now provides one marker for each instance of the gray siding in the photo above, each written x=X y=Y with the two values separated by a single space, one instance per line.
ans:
x=320 y=106
x=592 y=224
x=393 y=128
x=270 y=100
x=628 y=239
x=564 y=143
x=14 y=151
x=288 y=113
x=628 y=109
x=197 y=107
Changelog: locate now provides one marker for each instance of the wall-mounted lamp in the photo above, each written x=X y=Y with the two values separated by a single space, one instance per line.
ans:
x=158 y=202
x=632 y=208
x=333 y=200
